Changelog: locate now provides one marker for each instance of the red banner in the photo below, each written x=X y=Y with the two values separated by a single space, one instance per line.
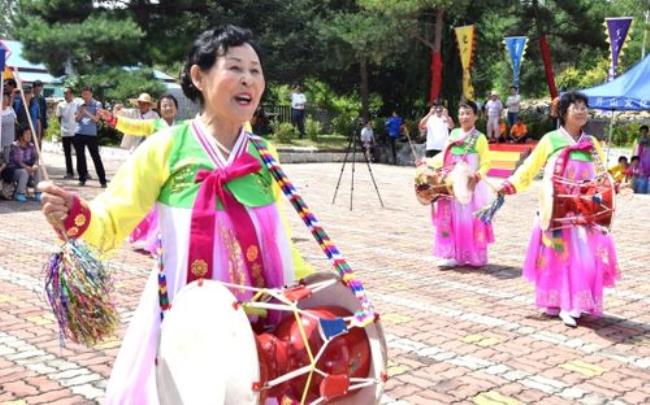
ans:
x=548 y=66
x=436 y=75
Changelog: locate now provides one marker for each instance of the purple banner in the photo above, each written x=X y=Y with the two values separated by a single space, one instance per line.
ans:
x=617 y=29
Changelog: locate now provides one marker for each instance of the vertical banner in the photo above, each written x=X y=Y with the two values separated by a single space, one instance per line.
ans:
x=3 y=59
x=548 y=66
x=516 y=47
x=466 y=38
x=436 y=75
x=5 y=73
x=618 y=29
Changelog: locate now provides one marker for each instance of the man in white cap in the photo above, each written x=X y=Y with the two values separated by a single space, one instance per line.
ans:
x=493 y=110
x=143 y=112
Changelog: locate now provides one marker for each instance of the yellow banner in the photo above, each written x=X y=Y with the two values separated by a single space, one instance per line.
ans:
x=466 y=43
x=7 y=74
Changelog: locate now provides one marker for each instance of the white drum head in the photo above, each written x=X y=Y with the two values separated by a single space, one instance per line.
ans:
x=207 y=352
x=340 y=295
x=459 y=179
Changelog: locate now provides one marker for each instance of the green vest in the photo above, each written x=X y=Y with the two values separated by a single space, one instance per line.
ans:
x=460 y=149
x=559 y=141
x=187 y=157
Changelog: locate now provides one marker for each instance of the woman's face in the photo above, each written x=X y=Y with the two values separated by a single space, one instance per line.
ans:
x=466 y=117
x=26 y=137
x=6 y=100
x=234 y=85
x=577 y=114
x=168 y=109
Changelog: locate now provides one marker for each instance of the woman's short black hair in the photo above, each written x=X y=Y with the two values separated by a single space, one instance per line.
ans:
x=643 y=127
x=567 y=99
x=21 y=130
x=169 y=97
x=205 y=50
x=469 y=104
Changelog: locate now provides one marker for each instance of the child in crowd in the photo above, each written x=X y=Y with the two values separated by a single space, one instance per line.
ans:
x=619 y=171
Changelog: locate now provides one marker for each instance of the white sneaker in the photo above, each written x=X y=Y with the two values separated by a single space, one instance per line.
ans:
x=447 y=263
x=575 y=314
x=567 y=319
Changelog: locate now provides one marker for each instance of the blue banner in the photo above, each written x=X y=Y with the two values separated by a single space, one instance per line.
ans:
x=516 y=47
x=3 y=56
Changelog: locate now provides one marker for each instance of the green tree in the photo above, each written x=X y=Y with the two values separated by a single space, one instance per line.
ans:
x=361 y=39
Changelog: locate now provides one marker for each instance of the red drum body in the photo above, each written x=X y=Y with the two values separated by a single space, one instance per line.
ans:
x=584 y=203
x=314 y=354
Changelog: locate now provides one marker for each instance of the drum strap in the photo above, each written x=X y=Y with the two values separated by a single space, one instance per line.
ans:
x=585 y=144
x=469 y=142
x=366 y=315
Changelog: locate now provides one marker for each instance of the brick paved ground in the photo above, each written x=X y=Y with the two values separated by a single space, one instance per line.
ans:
x=456 y=336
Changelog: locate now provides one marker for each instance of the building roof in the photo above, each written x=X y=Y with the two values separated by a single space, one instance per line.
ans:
x=29 y=72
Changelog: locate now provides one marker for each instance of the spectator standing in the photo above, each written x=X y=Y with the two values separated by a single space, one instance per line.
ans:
x=143 y=112
x=42 y=110
x=642 y=150
x=86 y=136
x=437 y=123
x=513 y=103
x=21 y=111
x=66 y=111
x=298 y=104
x=393 y=125
x=9 y=121
x=493 y=110
x=368 y=140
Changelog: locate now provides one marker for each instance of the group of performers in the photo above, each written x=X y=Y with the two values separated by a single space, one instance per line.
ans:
x=571 y=254
x=216 y=215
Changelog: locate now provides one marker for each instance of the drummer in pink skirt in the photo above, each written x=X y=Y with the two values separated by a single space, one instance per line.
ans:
x=459 y=237
x=569 y=266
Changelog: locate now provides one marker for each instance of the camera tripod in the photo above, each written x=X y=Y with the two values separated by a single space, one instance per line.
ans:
x=352 y=147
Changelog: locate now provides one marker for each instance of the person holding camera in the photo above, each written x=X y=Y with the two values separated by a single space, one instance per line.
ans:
x=87 y=117
x=437 y=124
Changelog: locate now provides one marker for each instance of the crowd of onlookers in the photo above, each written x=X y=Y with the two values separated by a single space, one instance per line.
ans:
x=636 y=171
x=24 y=122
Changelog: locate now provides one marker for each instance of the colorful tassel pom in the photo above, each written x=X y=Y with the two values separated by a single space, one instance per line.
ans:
x=78 y=289
x=486 y=214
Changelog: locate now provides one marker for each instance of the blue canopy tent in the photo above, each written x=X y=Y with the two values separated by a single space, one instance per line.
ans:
x=628 y=92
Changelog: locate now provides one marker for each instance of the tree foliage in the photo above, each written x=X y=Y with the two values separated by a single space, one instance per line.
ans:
x=369 y=49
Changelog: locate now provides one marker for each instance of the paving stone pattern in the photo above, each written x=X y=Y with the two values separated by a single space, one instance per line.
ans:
x=454 y=336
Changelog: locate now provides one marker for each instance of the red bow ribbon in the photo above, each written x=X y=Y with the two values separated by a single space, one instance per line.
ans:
x=202 y=228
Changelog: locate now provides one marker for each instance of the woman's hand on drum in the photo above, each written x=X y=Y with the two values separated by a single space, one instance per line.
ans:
x=55 y=202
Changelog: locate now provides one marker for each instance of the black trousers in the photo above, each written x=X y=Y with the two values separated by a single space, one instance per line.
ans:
x=431 y=153
x=68 y=144
x=92 y=143
x=298 y=120
x=393 y=149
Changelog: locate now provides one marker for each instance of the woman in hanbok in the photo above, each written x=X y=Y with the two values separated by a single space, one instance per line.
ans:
x=459 y=237
x=217 y=203
x=570 y=266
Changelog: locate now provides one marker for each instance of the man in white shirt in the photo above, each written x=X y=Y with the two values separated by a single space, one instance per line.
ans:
x=298 y=103
x=368 y=140
x=493 y=110
x=512 y=103
x=143 y=112
x=65 y=113
x=437 y=124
